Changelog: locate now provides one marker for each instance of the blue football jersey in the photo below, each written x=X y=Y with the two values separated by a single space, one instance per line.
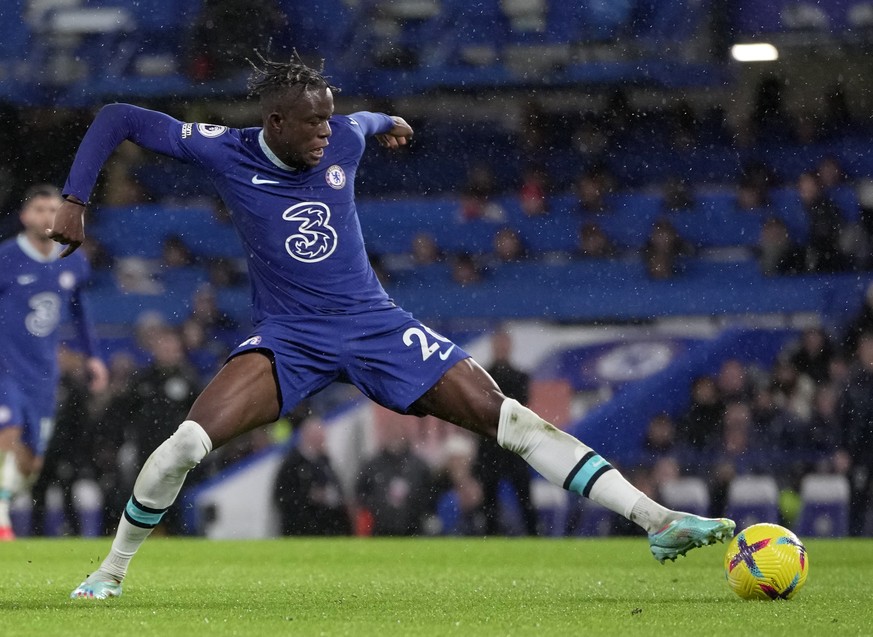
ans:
x=299 y=228
x=37 y=294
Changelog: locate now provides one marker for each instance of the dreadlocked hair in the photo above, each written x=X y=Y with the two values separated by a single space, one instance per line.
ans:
x=271 y=77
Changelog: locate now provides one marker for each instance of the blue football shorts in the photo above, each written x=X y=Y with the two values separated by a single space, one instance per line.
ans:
x=386 y=353
x=33 y=411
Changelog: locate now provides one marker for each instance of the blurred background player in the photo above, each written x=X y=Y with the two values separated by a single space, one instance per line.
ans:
x=493 y=463
x=307 y=492
x=37 y=292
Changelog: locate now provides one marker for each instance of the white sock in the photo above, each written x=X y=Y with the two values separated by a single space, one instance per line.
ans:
x=11 y=482
x=563 y=460
x=159 y=482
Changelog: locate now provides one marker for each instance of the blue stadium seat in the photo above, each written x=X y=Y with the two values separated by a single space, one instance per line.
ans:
x=824 y=508
x=16 y=34
x=140 y=231
x=714 y=221
x=752 y=499
x=686 y=494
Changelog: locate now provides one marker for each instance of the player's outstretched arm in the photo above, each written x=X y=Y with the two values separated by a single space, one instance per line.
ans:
x=112 y=125
x=398 y=135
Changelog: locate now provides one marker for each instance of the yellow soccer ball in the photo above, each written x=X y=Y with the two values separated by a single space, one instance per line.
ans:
x=766 y=561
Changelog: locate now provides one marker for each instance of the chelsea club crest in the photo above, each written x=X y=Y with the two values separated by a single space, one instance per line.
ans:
x=335 y=177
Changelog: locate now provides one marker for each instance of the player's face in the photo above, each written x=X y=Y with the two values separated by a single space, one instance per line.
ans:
x=300 y=133
x=38 y=214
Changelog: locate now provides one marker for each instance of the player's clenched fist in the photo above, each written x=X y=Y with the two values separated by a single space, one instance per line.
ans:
x=69 y=226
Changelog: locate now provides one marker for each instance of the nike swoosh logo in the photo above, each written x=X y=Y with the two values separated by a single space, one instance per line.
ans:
x=257 y=180
x=26 y=279
x=445 y=355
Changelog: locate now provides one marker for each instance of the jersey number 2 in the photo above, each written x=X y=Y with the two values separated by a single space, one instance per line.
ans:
x=417 y=334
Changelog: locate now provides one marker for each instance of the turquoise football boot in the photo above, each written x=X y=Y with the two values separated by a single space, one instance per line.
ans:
x=99 y=587
x=688 y=532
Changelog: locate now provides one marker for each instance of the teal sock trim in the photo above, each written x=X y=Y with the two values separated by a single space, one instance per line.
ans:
x=141 y=515
x=585 y=473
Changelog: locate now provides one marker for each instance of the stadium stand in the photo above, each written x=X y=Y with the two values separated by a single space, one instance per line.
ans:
x=83 y=54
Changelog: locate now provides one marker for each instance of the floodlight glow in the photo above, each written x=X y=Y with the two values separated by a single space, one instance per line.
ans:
x=761 y=52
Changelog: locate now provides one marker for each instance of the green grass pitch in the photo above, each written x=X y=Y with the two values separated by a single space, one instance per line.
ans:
x=421 y=587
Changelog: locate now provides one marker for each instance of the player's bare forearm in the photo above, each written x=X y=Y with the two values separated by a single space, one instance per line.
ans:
x=398 y=135
x=69 y=225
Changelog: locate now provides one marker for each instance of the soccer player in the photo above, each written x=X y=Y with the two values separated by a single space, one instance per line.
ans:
x=37 y=291
x=319 y=312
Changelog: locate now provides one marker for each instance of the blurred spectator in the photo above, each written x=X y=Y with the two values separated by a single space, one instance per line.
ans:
x=205 y=310
x=120 y=187
x=175 y=253
x=855 y=413
x=618 y=115
x=149 y=326
x=683 y=127
x=161 y=393
x=733 y=381
x=824 y=426
x=837 y=114
x=660 y=439
x=493 y=463
x=226 y=273
x=590 y=141
x=508 y=247
x=663 y=249
x=812 y=357
x=395 y=488
x=135 y=275
x=770 y=121
x=226 y=32
x=97 y=254
x=811 y=441
x=792 y=392
x=830 y=172
x=465 y=270
x=460 y=451
x=206 y=355
x=532 y=195
x=701 y=426
x=593 y=242
x=477 y=197
x=823 y=253
x=777 y=254
x=737 y=453
x=591 y=188
x=751 y=194
x=425 y=250
x=307 y=492
x=112 y=453
x=67 y=456
x=861 y=323
x=534 y=136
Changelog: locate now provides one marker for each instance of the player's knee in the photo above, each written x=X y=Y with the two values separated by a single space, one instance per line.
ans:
x=188 y=445
x=520 y=429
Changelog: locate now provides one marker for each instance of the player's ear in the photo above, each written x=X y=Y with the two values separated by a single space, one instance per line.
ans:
x=274 y=121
